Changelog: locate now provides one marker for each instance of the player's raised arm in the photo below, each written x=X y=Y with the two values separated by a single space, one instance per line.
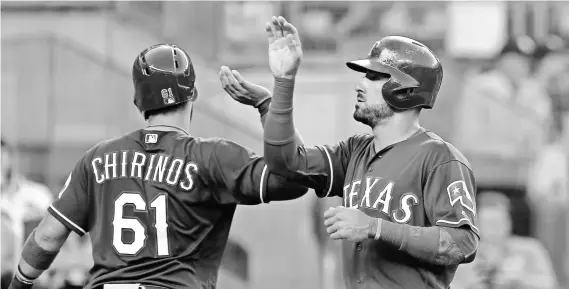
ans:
x=68 y=213
x=320 y=167
x=285 y=55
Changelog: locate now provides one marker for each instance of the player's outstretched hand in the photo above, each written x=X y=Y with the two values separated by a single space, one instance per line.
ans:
x=347 y=224
x=241 y=90
x=285 y=51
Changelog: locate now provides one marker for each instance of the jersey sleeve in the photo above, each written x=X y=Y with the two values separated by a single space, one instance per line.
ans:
x=245 y=177
x=335 y=160
x=328 y=168
x=72 y=204
x=450 y=196
x=323 y=168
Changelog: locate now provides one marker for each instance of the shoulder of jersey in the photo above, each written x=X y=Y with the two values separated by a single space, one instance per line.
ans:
x=210 y=142
x=215 y=145
x=202 y=146
x=115 y=143
x=102 y=146
x=436 y=147
x=360 y=139
x=108 y=144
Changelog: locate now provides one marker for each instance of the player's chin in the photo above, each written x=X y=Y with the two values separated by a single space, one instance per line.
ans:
x=360 y=116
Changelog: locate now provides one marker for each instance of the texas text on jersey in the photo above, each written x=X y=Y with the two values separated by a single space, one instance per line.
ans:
x=158 y=205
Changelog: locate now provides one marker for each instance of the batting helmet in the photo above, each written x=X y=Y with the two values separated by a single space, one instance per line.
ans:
x=415 y=71
x=163 y=76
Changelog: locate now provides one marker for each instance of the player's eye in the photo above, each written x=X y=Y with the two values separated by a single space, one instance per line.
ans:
x=375 y=76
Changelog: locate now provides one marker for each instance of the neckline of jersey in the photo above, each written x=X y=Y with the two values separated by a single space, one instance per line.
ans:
x=389 y=147
x=168 y=126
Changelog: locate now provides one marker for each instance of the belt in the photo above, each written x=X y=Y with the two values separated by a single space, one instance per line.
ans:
x=131 y=286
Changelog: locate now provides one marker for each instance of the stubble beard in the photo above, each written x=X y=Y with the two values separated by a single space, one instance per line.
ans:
x=372 y=115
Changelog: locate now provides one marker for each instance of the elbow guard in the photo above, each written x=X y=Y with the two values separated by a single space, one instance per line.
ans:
x=466 y=240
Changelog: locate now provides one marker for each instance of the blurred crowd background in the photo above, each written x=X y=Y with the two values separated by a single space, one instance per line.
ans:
x=504 y=102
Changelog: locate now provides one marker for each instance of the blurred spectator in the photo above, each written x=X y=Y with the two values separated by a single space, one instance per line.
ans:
x=549 y=176
x=504 y=111
x=32 y=199
x=356 y=16
x=558 y=89
x=548 y=184
x=504 y=261
x=12 y=237
x=12 y=221
x=24 y=204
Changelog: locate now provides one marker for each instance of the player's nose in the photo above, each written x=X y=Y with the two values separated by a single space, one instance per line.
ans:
x=361 y=86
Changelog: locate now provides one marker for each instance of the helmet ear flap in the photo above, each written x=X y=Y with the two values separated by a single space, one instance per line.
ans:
x=394 y=94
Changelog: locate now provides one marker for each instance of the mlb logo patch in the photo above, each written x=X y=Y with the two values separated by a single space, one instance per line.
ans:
x=151 y=138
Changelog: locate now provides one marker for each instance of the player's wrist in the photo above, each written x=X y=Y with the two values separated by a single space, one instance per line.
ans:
x=374 y=228
x=21 y=280
x=285 y=77
x=263 y=106
x=18 y=284
x=283 y=88
x=282 y=100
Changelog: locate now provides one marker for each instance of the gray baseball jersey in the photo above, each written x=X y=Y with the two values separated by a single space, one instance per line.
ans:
x=421 y=181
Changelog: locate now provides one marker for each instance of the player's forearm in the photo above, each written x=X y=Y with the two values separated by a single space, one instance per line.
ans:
x=281 y=151
x=264 y=109
x=37 y=256
x=435 y=245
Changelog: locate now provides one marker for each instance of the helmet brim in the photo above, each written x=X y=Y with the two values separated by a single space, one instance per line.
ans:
x=363 y=65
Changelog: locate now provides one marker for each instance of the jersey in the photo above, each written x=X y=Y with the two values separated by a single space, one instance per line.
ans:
x=158 y=205
x=422 y=181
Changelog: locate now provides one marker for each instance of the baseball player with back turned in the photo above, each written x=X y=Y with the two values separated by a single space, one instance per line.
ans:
x=157 y=202
x=408 y=216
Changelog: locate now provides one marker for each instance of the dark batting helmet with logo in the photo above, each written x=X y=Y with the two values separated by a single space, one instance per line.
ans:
x=415 y=71
x=163 y=76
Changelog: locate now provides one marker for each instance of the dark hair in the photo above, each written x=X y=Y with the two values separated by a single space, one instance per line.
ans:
x=166 y=110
